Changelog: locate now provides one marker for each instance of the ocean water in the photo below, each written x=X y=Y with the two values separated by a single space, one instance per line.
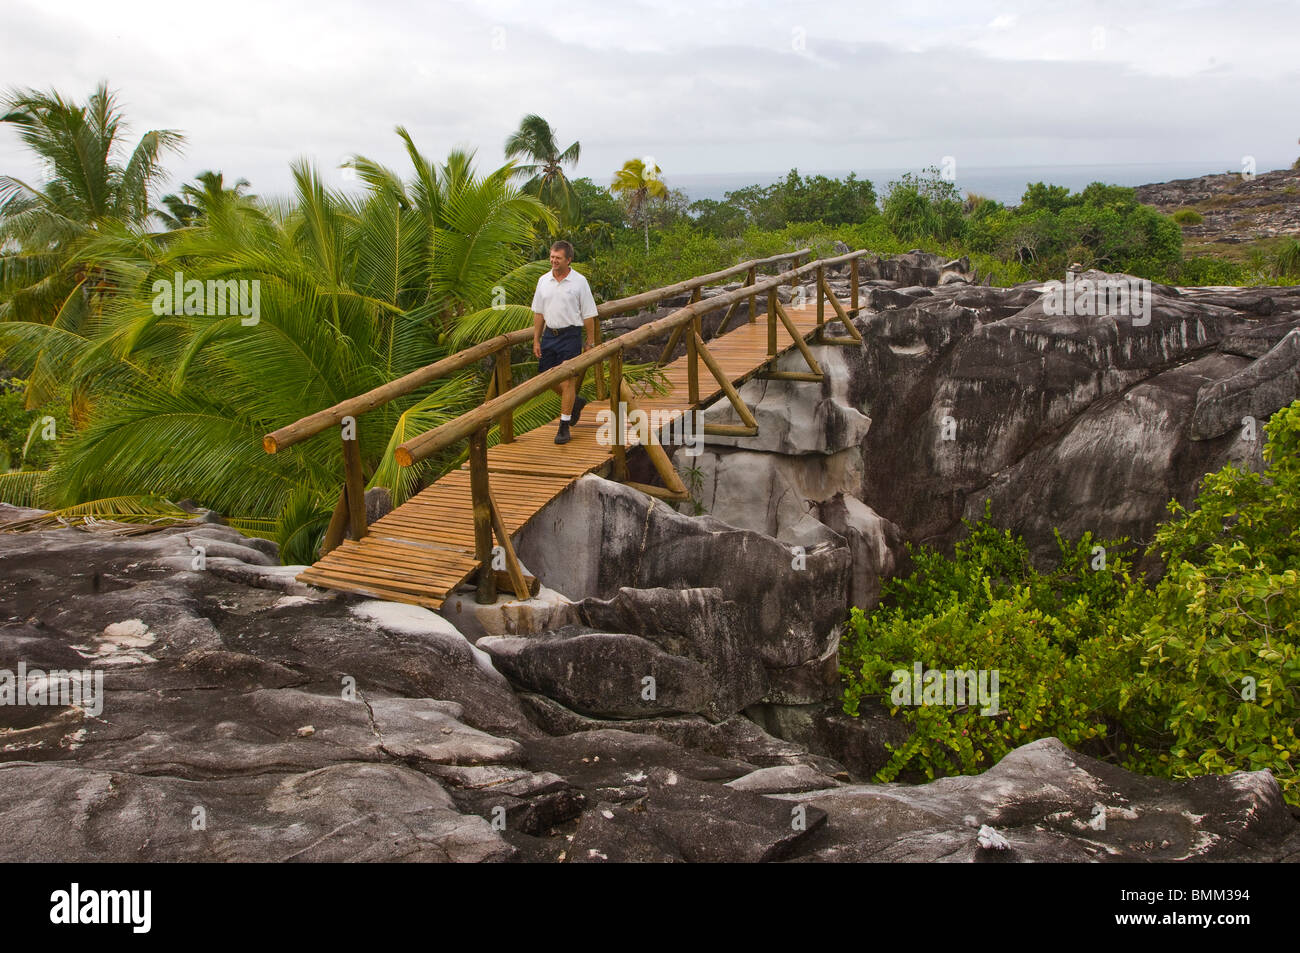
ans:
x=1005 y=183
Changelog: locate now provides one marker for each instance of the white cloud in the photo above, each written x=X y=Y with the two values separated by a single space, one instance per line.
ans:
x=703 y=86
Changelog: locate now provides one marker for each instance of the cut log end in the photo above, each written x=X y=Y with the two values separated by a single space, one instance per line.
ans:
x=269 y=444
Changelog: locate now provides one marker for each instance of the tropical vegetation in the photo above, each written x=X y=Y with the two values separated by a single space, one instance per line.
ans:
x=1197 y=673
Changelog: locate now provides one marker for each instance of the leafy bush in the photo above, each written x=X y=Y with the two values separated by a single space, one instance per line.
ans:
x=795 y=198
x=1104 y=226
x=1219 y=651
x=1210 y=271
x=925 y=206
x=988 y=609
x=1188 y=216
x=1193 y=675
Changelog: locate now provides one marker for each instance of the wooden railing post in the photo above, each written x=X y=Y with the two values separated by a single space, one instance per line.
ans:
x=514 y=572
x=600 y=368
x=855 y=336
x=749 y=425
x=853 y=285
x=617 y=431
x=354 y=482
x=504 y=381
x=673 y=338
x=676 y=489
x=821 y=301
x=338 y=527
x=480 y=497
x=692 y=356
x=750 y=278
x=771 y=322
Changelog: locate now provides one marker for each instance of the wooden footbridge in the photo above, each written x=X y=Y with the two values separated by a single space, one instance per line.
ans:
x=441 y=538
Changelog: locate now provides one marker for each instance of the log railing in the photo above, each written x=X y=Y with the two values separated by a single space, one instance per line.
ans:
x=503 y=397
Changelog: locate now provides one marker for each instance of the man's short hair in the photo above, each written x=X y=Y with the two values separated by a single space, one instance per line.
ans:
x=563 y=246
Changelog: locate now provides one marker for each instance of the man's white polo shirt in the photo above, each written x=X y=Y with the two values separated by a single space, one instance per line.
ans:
x=564 y=303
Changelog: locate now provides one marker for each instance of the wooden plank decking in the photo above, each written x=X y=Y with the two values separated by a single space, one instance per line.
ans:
x=424 y=549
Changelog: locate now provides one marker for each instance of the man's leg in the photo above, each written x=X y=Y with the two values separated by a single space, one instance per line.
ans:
x=568 y=393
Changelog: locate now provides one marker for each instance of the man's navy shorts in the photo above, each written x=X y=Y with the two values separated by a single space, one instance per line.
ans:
x=558 y=348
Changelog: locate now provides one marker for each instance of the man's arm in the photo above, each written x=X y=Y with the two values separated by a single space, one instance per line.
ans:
x=589 y=313
x=539 y=322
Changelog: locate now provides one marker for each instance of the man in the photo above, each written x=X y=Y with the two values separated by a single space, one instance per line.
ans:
x=562 y=305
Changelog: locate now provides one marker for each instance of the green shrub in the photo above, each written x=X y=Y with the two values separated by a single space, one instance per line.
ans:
x=1196 y=674
x=924 y=206
x=1210 y=271
x=1188 y=216
x=986 y=608
x=1287 y=261
x=1219 y=651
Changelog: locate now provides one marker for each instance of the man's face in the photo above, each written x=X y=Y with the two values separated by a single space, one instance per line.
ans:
x=559 y=260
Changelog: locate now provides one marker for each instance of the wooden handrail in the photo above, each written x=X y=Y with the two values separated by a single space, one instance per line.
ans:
x=453 y=431
x=323 y=420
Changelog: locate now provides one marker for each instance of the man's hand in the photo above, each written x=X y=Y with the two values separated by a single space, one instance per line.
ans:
x=537 y=348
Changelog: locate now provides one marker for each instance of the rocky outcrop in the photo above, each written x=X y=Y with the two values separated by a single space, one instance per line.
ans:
x=1051 y=415
x=1044 y=802
x=789 y=600
x=245 y=717
x=1234 y=208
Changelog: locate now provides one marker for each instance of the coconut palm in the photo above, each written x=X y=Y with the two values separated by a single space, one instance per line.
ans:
x=354 y=292
x=638 y=184
x=189 y=206
x=91 y=180
x=535 y=142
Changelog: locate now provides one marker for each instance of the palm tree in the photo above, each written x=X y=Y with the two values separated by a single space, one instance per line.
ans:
x=88 y=184
x=195 y=199
x=535 y=141
x=354 y=292
x=638 y=184
x=92 y=187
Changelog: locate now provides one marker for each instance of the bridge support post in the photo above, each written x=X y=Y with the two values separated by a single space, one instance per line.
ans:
x=515 y=573
x=619 y=432
x=853 y=286
x=750 y=278
x=599 y=369
x=750 y=426
x=726 y=319
x=693 y=364
x=354 y=485
x=673 y=338
x=855 y=336
x=821 y=302
x=771 y=322
x=676 y=489
x=481 y=499
x=800 y=343
x=338 y=524
x=503 y=381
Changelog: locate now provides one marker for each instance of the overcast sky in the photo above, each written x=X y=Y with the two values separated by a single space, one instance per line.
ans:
x=703 y=86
